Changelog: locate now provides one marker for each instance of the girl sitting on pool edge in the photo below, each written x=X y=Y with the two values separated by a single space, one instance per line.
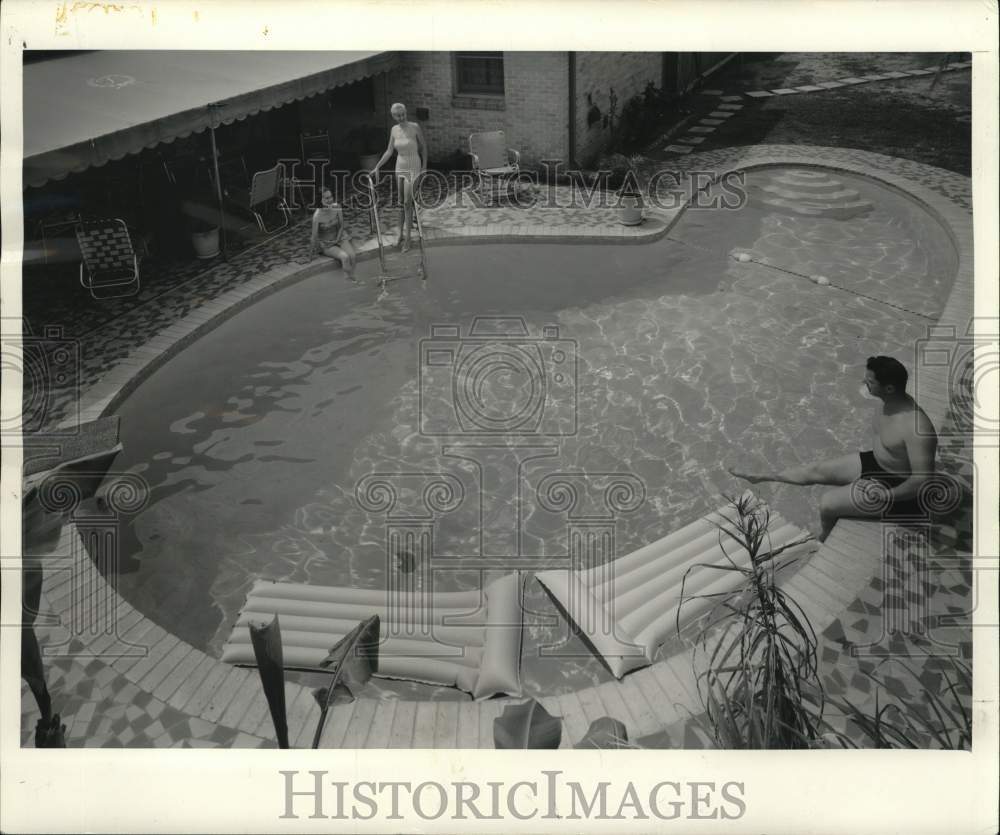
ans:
x=329 y=237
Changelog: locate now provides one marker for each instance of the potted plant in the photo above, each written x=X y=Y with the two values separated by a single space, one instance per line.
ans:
x=366 y=140
x=204 y=238
x=625 y=182
x=630 y=192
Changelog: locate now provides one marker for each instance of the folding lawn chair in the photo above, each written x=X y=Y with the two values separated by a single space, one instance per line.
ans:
x=265 y=187
x=110 y=267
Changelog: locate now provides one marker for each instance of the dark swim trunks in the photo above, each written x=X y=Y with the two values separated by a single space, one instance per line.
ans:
x=871 y=470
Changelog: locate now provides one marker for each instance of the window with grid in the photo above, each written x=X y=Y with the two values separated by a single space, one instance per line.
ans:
x=479 y=73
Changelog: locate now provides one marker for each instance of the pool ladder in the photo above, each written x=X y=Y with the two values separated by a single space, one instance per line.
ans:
x=394 y=265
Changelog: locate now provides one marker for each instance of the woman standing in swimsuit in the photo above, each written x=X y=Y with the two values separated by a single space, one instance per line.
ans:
x=329 y=236
x=407 y=140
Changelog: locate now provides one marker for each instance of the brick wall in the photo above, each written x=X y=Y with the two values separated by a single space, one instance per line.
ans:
x=534 y=112
x=597 y=73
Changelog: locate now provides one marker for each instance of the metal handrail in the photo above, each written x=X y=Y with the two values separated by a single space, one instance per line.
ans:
x=422 y=269
x=378 y=229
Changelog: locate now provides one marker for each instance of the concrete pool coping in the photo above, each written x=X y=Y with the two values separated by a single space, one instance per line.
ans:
x=647 y=701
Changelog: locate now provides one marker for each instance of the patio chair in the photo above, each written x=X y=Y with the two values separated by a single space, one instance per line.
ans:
x=493 y=162
x=110 y=267
x=264 y=188
x=315 y=152
x=315 y=146
x=233 y=174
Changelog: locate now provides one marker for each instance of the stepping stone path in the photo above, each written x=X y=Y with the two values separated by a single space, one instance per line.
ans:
x=728 y=104
x=819 y=86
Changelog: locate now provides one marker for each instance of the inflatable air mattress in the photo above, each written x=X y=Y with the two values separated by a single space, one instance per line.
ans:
x=628 y=607
x=459 y=640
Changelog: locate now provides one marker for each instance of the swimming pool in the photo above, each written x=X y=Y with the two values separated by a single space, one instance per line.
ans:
x=255 y=438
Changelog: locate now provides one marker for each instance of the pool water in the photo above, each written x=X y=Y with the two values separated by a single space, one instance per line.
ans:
x=255 y=439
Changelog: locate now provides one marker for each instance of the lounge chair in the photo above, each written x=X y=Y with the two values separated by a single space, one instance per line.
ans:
x=496 y=166
x=110 y=267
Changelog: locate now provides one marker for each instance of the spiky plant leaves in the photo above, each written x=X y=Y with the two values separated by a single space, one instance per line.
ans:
x=527 y=725
x=341 y=695
x=936 y=716
x=352 y=660
x=266 y=641
x=605 y=733
x=760 y=648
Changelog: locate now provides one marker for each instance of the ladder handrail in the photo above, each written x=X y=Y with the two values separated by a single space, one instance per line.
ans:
x=420 y=237
x=378 y=229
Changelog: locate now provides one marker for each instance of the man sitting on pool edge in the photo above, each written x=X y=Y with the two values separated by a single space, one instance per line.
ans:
x=900 y=462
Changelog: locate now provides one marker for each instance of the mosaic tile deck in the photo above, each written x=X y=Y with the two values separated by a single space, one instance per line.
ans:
x=176 y=696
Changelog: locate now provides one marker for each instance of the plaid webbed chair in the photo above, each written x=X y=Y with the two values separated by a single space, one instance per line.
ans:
x=109 y=267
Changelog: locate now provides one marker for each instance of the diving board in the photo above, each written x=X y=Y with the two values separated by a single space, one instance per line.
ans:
x=468 y=639
x=626 y=608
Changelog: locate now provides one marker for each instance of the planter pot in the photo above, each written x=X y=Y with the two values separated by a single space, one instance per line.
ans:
x=631 y=210
x=206 y=244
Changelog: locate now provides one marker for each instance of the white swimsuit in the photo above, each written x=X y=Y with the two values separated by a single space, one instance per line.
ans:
x=407 y=155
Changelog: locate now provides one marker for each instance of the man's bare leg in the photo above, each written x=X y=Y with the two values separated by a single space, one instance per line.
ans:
x=835 y=471
x=843 y=503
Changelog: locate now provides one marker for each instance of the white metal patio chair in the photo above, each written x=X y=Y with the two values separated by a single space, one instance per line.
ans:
x=496 y=166
x=265 y=187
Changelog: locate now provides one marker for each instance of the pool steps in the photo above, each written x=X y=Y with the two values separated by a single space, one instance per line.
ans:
x=811 y=193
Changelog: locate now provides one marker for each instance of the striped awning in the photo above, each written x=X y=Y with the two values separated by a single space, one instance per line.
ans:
x=87 y=109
